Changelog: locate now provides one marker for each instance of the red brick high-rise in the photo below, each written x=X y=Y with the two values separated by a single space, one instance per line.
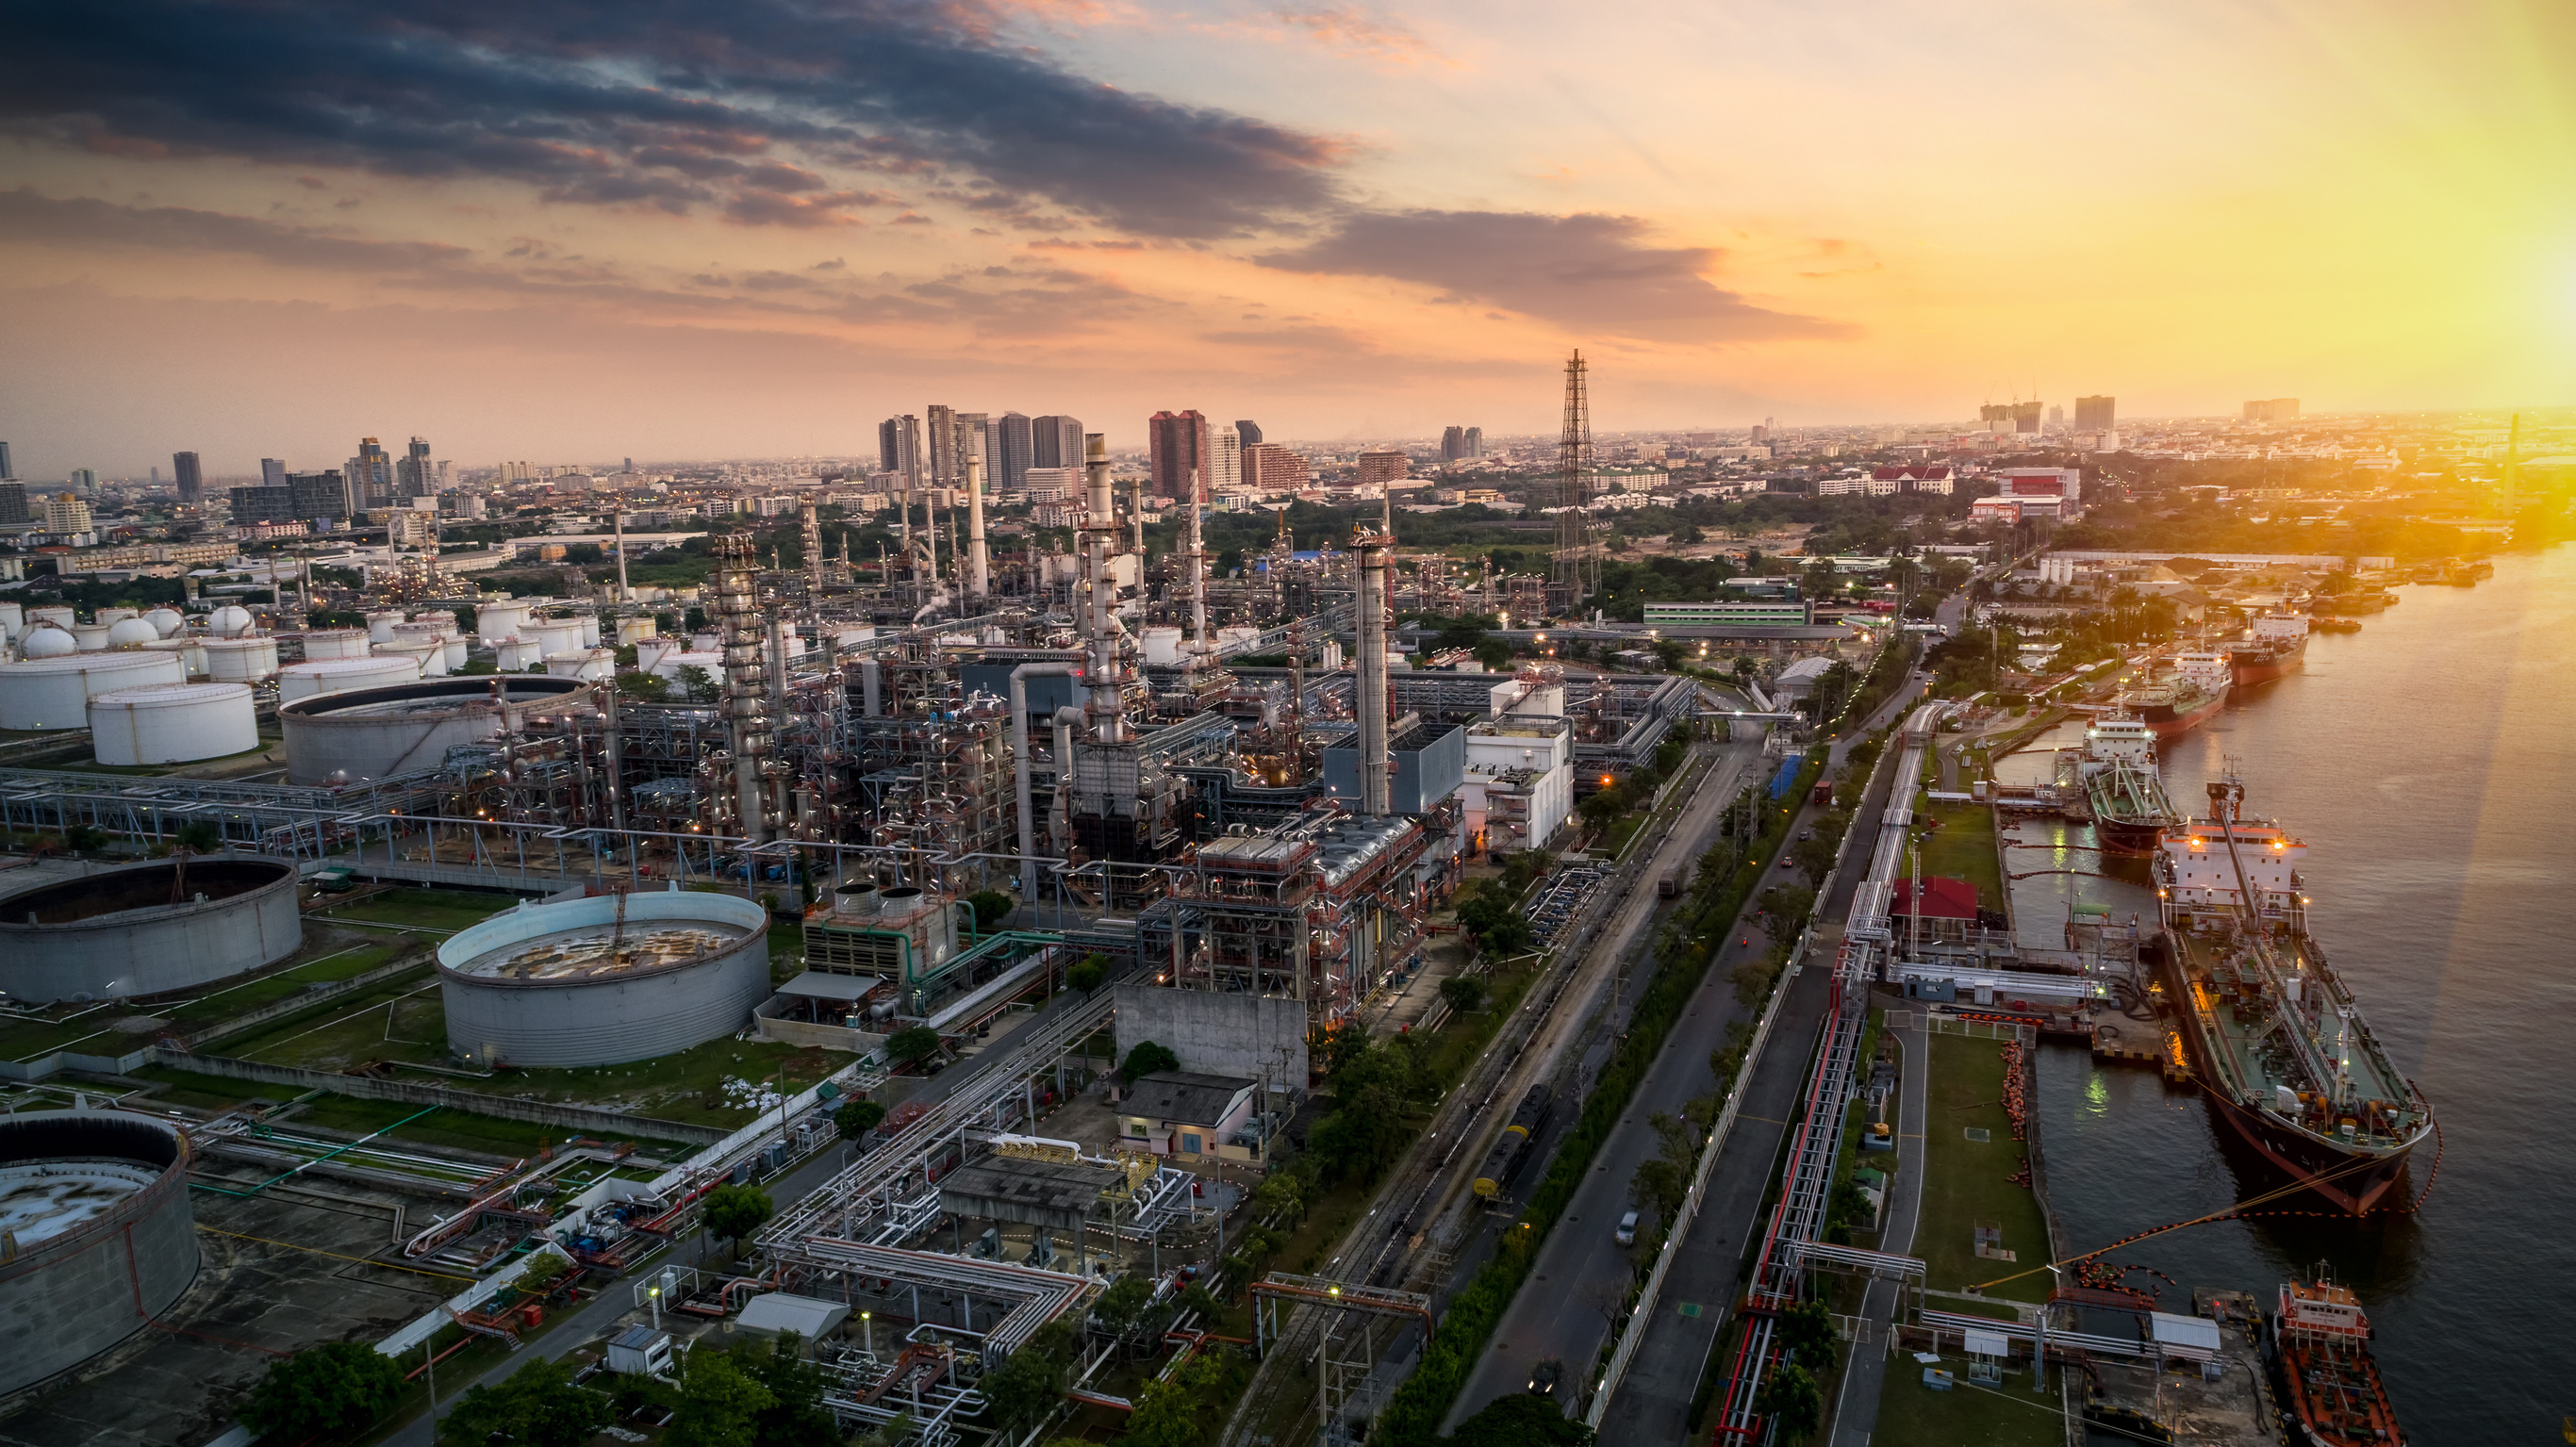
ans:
x=1176 y=442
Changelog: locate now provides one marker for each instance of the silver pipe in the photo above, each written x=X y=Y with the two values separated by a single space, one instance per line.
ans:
x=1372 y=678
x=1020 y=750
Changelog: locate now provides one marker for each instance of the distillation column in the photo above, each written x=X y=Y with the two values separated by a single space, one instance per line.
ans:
x=1104 y=637
x=979 y=581
x=1372 y=680
x=1199 y=655
x=746 y=684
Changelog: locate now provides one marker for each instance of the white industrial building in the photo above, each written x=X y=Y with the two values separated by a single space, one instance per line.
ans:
x=1519 y=784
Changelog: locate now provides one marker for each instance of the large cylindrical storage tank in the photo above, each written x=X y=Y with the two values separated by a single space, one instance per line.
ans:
x=54 y=693
x=376 y=733
x=453 y=647
x=651 y=651
x=45 y=640
x=114 y=616
x=90 y=637
x=230 y=621
x=166 y=622
x=553 y=635
x=587 y=663
x=172 y=723
x=240 y=660
x=335 y=643
x=380 y=626
x=589 y=629
x=516 y=655
x=304 y=680
x=13 y=620
x=635 y=628
x=96 y=1202
x=670 y=664
x=60 y=617
x=604 y=980
x=116 y=933
x=429 y=630
x=501 y=620
x=429 y=659
x=131 y=633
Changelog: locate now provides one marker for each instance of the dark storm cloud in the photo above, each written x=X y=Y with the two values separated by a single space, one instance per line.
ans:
x=680 y=104
x=1585 y=272
x=82 y=222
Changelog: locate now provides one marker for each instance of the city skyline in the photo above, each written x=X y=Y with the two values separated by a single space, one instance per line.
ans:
x=1348 y=224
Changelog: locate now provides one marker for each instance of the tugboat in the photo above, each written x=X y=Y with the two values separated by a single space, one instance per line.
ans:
x=2318 y=1349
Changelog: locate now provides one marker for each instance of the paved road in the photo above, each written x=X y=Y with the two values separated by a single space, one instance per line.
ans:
x=1855 y=1414
x=1652 y=1404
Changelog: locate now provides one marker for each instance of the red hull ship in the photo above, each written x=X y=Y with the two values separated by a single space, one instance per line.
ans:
x=2323 y=1373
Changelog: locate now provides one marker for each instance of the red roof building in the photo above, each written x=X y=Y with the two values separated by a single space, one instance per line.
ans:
x=1942 y=899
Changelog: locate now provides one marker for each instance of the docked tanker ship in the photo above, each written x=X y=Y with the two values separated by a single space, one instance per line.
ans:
x=2272 y=646
x=2173 y=701
x=2122 y=785
x=2276 y=1039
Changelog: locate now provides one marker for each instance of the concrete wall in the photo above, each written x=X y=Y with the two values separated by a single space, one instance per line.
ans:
x=147 y=951
x=66 y=1299
x=1248 y=1035
x=607 y=1124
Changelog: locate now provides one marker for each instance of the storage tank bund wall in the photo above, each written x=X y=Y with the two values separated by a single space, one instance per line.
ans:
x=117 y=933
x=96 y=1202
x=611 y=1013
x=376 y=733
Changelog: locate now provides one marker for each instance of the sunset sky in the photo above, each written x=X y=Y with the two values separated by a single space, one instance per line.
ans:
x=681 y=229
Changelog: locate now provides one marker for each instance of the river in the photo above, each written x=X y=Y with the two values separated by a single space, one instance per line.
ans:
x=2429 y=762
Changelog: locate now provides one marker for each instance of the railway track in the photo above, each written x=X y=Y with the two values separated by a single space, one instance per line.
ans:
x=1419 y=1208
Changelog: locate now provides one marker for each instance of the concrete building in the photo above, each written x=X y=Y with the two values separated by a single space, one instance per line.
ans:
x=1185 y=1113
x=1765 y=612
x=1014 y=453
x=1271 y=468
x=190 y=476
x=1227 y=462
x=1381 y=467
x=1519 y=783
x=370 y=477
x=1176 y=445
x=1055 y=440
x=2096 y=414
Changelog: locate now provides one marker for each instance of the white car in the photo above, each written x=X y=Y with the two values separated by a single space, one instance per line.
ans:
x=1626 y=1235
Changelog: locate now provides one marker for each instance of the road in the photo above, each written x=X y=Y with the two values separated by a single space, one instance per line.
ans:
x=1855 y=1414
x=1652 y=1403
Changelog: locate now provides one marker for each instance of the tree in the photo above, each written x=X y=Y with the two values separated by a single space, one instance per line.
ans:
x=719 y=1406
x=734 y=1212
x=795 y=1416
x=991 y=907
x=1146 y=1059
x=1813 y=856
x=1122 y=1306
x=199 y=836
x=336 y=1389
x=536 y=1406
x=915 y=1043
x=1790 y=1398
x=1599 y=810
x=1784 y=910
x=1465 y=993
x=1808 y=1330
x=1521 y=1420
x=1174 y=1413
x=1495 y=654
x=647 y=686
x=1027 y=1386
x=1087 y=972
x=695 y=681
x=858 y=1117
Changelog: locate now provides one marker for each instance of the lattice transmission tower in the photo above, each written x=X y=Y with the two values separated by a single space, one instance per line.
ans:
x=1577 y=574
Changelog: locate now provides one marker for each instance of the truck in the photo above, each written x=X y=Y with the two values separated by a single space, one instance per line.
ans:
x=1670 y=885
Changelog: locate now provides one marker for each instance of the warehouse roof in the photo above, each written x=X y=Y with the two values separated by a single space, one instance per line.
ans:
x=1186 y=1097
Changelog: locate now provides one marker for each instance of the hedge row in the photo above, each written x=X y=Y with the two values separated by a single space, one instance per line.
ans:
x=1412 y=1419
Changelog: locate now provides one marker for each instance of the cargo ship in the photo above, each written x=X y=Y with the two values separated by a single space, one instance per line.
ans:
x=2318 y=1349
x=2174 y=701
x=2122 y=784
x=2273 y=645
x=2273 y=1035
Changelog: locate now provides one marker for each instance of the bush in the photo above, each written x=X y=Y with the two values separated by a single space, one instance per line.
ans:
x=1087 y=973
x=909 y=1046
x=858 y=1117
x=1146 y=1059
x=336 y=1389
x=734 y=1212
x=991 y=907
x=536 y=1406
x=1465 y=993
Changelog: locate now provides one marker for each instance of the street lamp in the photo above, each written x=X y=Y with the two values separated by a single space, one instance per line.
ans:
x=653 y=1294
x=868 y=1332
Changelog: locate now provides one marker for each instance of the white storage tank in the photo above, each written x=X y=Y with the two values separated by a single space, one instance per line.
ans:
x=60 y=617
x=13 y=620
x=604 y=980
x=426 y=630
x=1160 y=645
x=240 y=660
x=115 y=933
x=707 y=640
x=54 y=692
x=114 y=616
x=588 y=663
x=44 y=640
x=380 y=626
x=429 y=659
x=455 y=647
x=131 y=632
x=501 y=620
x=230 y=621
x=172 y=723
x=166 y=621
x=90 y=637
x=376 y=733
x=589 y=629
x=516 y=655
x=669 y=664
x=634 y=628
x=335 y=643
x=303 y=680
x=553 y=635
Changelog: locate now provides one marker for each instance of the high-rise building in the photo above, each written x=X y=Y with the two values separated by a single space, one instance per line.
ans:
x=1176 y=444
x=314 y=496
x=1055 y=440
x=191 y=480
x=262 y=504
x=1014 y=443
x=13 y=502
x=65 y=513
x=1248 y=430
x=272 y=472
x=975 y=439
x=1383 y=466
x=370 y=477
x=85 y=480
x=415 y=475
x=7 y=469
x=1225 y=456
x=1475 y=442
x=2096 y=414
x=942 y=460
x=899 y=447
x=1453 y=443
x=1269 y=467
x=2273 y=409
x=2056 y=419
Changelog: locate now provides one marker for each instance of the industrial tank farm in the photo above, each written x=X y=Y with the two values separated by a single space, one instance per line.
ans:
x=94 y=1211
x=604 y=980
x=375 y=733
x=147 y=928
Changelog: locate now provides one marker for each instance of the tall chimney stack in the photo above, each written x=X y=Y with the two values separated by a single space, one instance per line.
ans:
x=979 y=580
x=1372 y=689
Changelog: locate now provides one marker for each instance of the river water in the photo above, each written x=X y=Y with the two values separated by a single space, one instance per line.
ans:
x=2429 y=762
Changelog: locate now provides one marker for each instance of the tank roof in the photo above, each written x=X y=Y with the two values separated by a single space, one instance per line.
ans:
x=142 y=887
x=172 y=695
x=40 y=1200
x=599 y=951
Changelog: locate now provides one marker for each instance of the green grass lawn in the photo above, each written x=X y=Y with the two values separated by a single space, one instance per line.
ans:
x=1911 y=1414
x=351 y=1029
x=89 y=1032
x=1964 y=848
x=446 y=1126
x=1967 y=1183
x=429 y=909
